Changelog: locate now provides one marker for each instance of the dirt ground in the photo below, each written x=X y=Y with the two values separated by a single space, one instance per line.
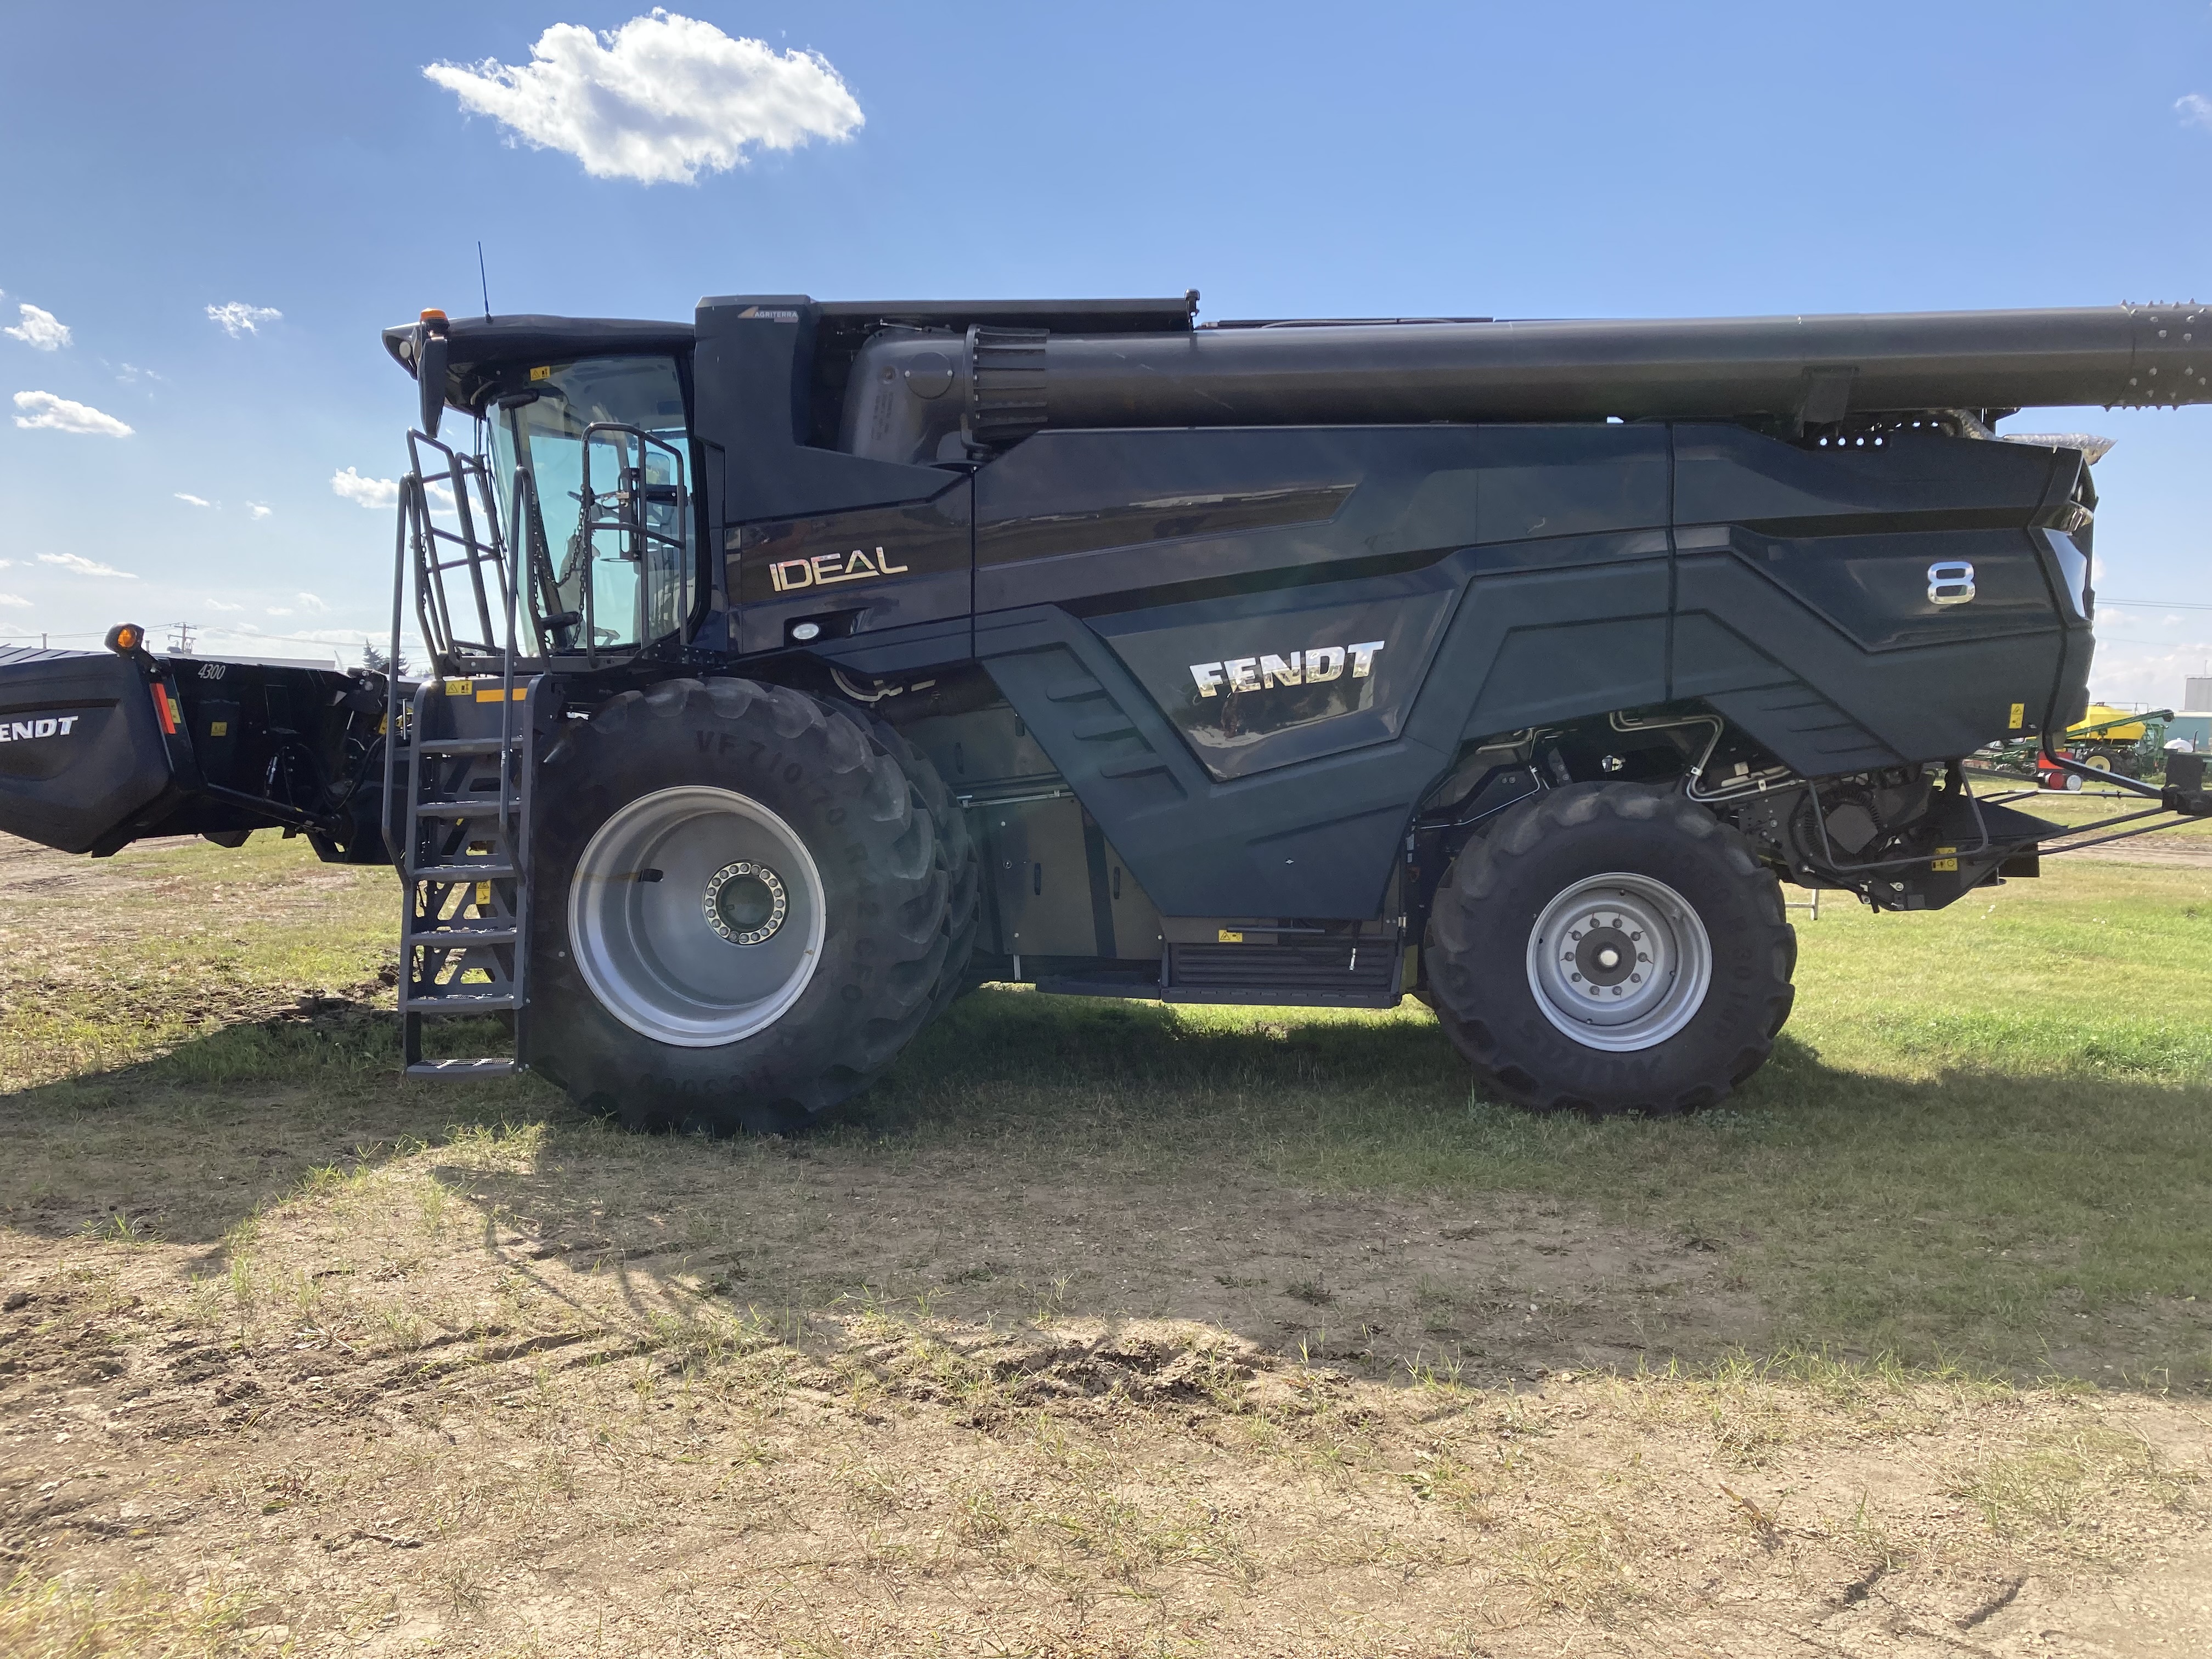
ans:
x=316 y=1363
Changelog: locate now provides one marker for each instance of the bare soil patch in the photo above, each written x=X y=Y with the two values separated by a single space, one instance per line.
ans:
x=615 y=1460
x=556 y=1390
x=294 y=1358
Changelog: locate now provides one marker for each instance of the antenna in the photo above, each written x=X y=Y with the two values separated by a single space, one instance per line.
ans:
x=484 y=281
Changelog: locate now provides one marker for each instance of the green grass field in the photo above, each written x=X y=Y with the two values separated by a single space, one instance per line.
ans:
x=1986 y=1136
x=1100 y=1329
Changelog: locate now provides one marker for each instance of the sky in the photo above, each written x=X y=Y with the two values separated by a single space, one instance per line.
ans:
x=211 y=210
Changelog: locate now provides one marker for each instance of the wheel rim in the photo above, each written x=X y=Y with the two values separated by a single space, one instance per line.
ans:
x=1620 y=962
x=696 y=916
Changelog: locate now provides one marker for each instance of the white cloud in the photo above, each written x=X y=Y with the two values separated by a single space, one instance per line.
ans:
x=13 y=598
x=44 y=409
x=194 y=501
x=2195 y=109
x=278 y=610
x=366 y=492
x=40 y=329
x=308 y=601
x=658 y=98
x=84 y=566
x=237 y=318
x=259 y=510
x=217 y=604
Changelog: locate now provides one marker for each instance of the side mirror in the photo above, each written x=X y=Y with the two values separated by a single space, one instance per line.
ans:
x=430 y=378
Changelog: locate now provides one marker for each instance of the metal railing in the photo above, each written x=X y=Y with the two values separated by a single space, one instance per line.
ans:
x=477 y=632
x=474 y=591
x=661 y=551
x=434 y=555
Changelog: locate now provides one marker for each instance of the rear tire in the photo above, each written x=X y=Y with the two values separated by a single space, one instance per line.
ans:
x=738 y=908
x=1611 y=948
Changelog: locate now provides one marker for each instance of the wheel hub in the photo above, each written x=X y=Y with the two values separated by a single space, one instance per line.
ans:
x=746 y=902
x=697 y=916
x=1608 y=955
x=1620 y=962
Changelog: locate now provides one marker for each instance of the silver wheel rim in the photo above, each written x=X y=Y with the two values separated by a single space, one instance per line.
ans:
x=1620 y=962
x=696 y=916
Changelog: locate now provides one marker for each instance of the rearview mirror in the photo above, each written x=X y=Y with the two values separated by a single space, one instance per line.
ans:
x=430 y=379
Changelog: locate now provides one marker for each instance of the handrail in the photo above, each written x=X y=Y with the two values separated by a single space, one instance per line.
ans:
x=392 y=684
x=632 y=496
x=521 y=591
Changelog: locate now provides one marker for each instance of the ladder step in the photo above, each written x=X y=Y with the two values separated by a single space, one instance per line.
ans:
x=467 y=745
x=460 y=873
x=462 y=1069
x=438 y=1002
x=490 y=806
x=458 y=938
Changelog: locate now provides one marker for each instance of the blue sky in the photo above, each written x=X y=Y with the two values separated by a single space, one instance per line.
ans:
x=1285 y=160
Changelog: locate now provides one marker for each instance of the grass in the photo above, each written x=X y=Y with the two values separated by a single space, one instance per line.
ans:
x=1984 y=1129
x=1986 y=1133
x=205 y=1621
x=1095 y=1327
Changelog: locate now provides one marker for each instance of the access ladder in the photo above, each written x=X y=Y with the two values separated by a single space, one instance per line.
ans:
x=465 y=927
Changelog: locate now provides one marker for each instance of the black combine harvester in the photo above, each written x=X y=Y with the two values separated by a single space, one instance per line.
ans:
x=799 y=667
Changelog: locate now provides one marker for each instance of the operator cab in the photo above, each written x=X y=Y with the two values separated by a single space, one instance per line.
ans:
x=579 y=477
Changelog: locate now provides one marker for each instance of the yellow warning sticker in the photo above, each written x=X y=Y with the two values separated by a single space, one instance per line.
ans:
x=545 y=374
x=2019 y=713
x=1939 y=862
x=218 y=728
x=460 y=688
x=484 y=895
x=1230 y=936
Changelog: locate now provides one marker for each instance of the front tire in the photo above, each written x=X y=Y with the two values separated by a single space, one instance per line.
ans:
x=956 y=854
x=1611 y=948
x=738 y=908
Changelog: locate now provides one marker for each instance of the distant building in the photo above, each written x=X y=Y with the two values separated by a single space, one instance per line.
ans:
x=2192 y=721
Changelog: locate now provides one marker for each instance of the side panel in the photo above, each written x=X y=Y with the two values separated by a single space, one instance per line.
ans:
x=1257 y=682
x=854 y=575
x=1803 y=585
x=1470 y=562
x=1494 y=579
x=752 y=407
x=1110 y=521
x=1056 y=887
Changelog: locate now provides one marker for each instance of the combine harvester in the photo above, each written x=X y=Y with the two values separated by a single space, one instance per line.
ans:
x=800 y=665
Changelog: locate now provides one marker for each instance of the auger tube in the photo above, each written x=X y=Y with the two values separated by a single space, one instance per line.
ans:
x=1810 y=371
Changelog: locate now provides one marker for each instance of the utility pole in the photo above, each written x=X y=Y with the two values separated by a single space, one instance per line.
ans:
x=180 y=638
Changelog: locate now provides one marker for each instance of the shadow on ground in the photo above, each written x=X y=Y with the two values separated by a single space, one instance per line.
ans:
x=1317 y=1184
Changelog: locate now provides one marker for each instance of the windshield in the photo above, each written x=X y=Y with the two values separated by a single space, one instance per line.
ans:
x=623 y=578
